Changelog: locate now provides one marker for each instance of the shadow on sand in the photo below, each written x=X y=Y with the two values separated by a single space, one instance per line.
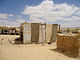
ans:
x=16 y=41
x=66 y=53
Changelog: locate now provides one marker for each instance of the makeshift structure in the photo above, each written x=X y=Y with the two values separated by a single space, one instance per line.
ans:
x=38 y=32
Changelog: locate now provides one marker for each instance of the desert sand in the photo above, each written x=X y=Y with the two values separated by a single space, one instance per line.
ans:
x=9 y=51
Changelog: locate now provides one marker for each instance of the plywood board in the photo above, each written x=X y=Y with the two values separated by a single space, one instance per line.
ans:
x=35 y=32
x=54 y=32
x=48 y=33
x=42 y=33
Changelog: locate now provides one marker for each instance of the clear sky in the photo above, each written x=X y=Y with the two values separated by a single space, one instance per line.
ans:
x=64 y=12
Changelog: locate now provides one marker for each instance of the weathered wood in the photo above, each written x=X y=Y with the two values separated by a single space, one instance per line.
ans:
x=35 y=32
x=40 y=33
x=51 y=33
x=48 y=33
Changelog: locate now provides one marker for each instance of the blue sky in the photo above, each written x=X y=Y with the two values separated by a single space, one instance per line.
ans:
x=11 y=12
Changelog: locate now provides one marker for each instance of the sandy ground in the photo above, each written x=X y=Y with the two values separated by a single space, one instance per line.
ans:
x=10 y=51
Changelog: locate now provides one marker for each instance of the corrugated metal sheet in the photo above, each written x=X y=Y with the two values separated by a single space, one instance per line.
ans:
x=48 y=33
x=27 y=33
x=51 y=32
x=54 y=32
x=42 y=33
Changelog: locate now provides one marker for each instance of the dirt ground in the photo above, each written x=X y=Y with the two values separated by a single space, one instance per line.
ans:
x=9 y=51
